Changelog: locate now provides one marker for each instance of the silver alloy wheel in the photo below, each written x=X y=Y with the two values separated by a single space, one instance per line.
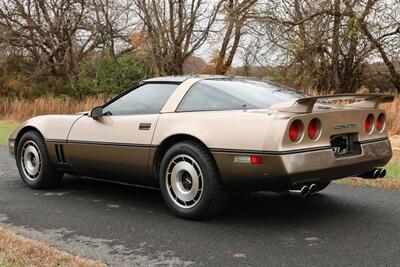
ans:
x=31 y=160
x=184 y=181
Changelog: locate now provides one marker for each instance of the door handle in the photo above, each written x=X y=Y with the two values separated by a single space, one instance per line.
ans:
x=144 y=126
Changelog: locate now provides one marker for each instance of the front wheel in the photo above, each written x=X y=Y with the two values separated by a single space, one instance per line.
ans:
x=33 y=162
x=190 y=181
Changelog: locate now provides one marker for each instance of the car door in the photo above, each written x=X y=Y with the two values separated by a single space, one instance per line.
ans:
x=117 y=145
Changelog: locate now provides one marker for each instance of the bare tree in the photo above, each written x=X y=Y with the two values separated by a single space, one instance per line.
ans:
x=113 y=21
x=325 y=43
x=59 y=34
x=379 y=41
x=236 y=15
x=336 y=45
x=174 y=30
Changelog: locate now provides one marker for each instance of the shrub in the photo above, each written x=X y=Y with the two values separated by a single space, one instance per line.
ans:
x=105 y=75
x=98 y=73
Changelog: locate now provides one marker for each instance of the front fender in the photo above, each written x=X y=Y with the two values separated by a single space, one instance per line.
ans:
x=51 y=127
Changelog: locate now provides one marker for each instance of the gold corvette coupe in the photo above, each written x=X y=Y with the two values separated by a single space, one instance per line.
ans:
x=198 y=138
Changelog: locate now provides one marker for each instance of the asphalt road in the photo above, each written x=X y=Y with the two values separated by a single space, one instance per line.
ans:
x=127 y=226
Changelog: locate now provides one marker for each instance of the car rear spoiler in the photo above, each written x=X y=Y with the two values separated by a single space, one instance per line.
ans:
x=306 y=104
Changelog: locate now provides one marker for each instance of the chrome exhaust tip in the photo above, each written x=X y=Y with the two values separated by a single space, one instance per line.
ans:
x=373 y=174
x=302 y=192
x=313 y=189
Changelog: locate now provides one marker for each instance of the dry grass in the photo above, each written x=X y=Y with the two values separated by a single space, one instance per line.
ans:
x=16 y=250
x=394 y=185
x=14 y=109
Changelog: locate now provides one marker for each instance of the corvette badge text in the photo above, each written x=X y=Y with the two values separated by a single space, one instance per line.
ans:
x=345 y=126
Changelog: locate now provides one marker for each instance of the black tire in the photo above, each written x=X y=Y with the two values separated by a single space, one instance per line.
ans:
x=36 y=170
x=210 y=200
x=323 y=185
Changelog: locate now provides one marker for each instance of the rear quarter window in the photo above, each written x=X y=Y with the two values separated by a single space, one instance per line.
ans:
x=235 y=94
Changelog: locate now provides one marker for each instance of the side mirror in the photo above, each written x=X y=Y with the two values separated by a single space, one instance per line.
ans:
x=96 y=113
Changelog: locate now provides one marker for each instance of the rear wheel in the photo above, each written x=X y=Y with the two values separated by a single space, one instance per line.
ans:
x=33 y=162
x=190 y=182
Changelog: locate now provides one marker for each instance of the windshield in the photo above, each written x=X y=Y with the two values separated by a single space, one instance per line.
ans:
x=230 y=94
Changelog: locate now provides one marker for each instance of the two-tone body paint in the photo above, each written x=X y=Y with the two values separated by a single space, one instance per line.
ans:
x=114 y=146
x=51 y=127
x=232 y=133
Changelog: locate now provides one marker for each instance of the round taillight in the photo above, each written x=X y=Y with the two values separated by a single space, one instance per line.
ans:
x=314 y=128
x=369 y=122
x=380 y=122
x=296 y=130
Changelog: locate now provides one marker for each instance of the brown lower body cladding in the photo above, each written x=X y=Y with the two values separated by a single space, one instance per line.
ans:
x=288 y=169
x=134 y=164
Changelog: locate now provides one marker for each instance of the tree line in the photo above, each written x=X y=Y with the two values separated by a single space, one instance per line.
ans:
x=329 y=45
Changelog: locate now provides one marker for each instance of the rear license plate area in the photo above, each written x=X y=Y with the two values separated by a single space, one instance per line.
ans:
x=345 y=145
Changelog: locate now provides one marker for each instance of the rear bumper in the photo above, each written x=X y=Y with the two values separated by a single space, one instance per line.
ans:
x=287 y=169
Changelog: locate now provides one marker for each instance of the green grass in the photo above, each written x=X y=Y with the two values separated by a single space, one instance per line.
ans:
x=391 y=180
x=14 y=263
x=6 y=263
x=3 y=262
x=6 y=128
x=393 y=171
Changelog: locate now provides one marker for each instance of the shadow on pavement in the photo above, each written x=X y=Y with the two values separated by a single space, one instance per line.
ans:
x=263 y=207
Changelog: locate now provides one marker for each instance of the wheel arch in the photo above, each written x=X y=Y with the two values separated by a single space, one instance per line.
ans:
x=24 y=130
x=169 y=142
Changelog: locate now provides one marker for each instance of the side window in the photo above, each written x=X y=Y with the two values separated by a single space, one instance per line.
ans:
x=202 y=97
x=146 y=99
